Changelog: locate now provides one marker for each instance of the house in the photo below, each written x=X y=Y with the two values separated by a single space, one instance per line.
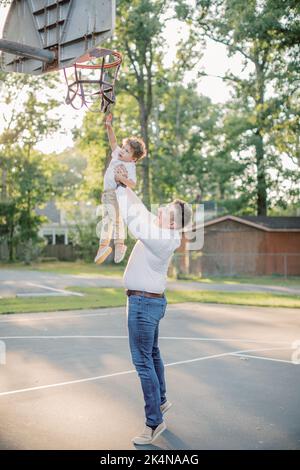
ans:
x=56 y=230
x=248 y=245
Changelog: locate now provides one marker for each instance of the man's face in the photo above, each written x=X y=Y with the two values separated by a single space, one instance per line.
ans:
x=126 y=153
x=165 y=216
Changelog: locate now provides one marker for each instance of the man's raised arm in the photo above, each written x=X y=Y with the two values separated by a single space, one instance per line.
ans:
x=141 y=223
x=136 y=216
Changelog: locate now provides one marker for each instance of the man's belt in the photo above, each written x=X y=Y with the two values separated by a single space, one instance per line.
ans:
x=143 y=293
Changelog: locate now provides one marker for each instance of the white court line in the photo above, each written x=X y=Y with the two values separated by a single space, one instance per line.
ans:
x=264 y=358
x=60 y=384
x=69 y=292
x=54 y=317
x=91 y=379
x=63 y=337
x=224 y=355
x=161 y=337
x=40 y=294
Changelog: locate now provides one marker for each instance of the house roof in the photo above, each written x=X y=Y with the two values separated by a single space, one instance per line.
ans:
x=50 y=211
x=275 y=222
x=268 y=224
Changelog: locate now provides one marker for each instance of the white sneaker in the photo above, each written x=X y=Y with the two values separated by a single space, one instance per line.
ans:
x=103 y=253
x=149 y=435
x=120 y=251
x=165 y=407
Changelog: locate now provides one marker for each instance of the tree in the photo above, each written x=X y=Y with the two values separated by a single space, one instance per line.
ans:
x=25 y=173
x=139 y=32
x=68 y=175
x=8 y=224
x=266 y=36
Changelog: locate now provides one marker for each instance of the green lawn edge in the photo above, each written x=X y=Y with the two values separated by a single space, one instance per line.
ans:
x=111 y=270
x=95 y=297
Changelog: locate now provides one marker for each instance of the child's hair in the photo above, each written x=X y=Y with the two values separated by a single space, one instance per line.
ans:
x=138 y=146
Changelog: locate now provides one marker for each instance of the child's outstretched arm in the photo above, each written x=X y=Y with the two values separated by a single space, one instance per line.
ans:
x=111 y=135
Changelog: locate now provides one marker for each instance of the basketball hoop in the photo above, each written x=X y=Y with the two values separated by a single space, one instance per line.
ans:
x=90 y=82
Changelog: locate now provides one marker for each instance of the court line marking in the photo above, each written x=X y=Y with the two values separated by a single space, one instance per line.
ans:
x=90 y=379
x=42 y=286
x=224 y=355
x=161 y=337
x=264 y=358
x=81 y=314
x=55 y=316
x=64 y=337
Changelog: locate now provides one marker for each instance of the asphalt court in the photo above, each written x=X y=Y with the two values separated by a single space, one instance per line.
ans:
x=29 y=283
x=68 y=381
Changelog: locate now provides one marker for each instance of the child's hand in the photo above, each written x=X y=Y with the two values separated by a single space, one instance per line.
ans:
x=108 y=120
x=120 y=172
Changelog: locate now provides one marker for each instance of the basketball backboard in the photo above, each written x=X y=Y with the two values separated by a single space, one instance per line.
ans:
x=67 y=28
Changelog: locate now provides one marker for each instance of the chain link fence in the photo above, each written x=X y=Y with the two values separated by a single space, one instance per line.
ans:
x=235 y=264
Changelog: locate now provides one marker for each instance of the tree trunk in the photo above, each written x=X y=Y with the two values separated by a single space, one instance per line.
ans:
x=3 y=194
x=261 y=177
x=261 y=200
x=177 y=125
x=10 y=244
x=145 y=161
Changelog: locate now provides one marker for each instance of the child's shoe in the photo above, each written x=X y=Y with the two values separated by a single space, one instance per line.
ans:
x=120 y=251
x=103 y=253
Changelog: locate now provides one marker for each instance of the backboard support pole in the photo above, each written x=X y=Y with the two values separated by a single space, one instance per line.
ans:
x=29 y=52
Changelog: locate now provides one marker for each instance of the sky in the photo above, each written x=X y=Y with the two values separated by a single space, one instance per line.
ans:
x=215 y=62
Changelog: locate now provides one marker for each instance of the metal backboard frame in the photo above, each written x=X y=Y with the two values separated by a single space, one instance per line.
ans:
x=68 y=28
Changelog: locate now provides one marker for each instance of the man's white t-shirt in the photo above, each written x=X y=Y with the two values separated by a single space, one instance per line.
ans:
x=148 y=263
x=109 y=177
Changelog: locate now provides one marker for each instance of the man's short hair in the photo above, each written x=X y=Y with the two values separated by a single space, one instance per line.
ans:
x=182 y=213
x=138 y=146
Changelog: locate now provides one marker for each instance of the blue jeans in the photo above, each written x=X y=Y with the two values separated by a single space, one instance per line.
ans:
x=143 y=317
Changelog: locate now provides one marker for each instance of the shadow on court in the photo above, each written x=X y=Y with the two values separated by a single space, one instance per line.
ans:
x=68 y=381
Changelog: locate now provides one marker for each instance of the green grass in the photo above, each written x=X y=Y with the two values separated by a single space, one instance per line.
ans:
x=65 y=267
x=93 y=298
x=112 y=297
x=292 y=281
x=82 y=268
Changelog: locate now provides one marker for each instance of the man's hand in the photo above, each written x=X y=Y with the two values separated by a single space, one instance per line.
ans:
x=120 y=172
